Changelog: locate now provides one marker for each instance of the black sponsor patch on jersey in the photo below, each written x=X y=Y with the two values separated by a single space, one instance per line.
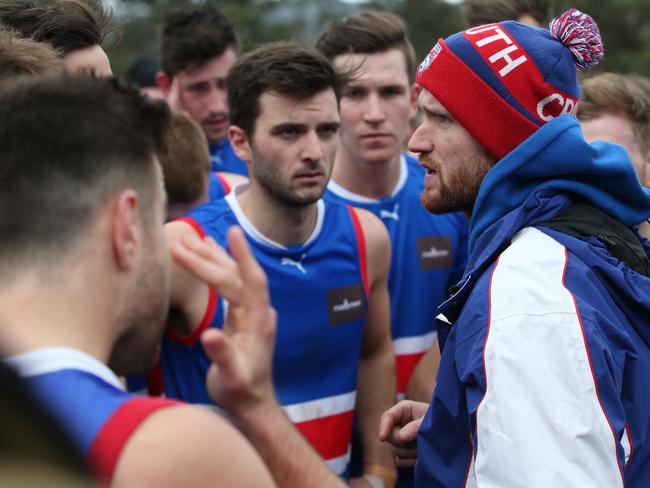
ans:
x=434 y=252
x=346 y=304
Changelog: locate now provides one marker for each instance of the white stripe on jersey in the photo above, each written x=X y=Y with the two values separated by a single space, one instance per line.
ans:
x=323 y=407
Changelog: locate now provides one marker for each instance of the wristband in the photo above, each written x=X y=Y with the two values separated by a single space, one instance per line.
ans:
x=388 y=476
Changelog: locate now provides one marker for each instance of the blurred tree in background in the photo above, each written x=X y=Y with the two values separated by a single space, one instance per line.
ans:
x=624 y=24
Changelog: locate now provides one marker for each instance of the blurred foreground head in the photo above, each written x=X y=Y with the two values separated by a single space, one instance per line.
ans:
x=83 y=191
x=76 y=29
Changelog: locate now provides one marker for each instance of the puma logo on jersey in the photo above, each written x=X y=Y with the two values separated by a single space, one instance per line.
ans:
x=434 y=252
x=295 y=264
x=346 y=304
x=385 y=214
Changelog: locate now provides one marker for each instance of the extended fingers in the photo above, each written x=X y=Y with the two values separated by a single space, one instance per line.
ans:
x=409 y=432
x=396 y=416
x=255 y=282
x=210 y=263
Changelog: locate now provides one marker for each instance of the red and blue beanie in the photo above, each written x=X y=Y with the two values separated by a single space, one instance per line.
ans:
x=503 y=81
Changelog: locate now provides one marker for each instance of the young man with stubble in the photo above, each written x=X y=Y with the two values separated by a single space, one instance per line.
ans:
x=327 y=263
x=372 y=172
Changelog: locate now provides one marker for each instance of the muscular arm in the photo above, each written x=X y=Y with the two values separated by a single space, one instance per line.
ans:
x=376 y=388
x=189 y=446
x=292 y=461
x=188 y=296
x=423 y=380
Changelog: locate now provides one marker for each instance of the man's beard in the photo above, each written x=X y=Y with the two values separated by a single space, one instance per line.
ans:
x=460 y=190
x=280 y=190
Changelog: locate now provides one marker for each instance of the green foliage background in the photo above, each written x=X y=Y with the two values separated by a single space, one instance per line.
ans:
x=624 y=24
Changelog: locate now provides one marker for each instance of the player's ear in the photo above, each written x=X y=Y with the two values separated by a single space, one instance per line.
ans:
x=124 y=227
x=240 y=143
x=413 y=102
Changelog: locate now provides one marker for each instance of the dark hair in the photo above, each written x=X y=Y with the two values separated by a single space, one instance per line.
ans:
x=616 y=93
x=193 y=35
x=142 y=72
x=67 y=25
x=67 y=143
x=186 y=164
x=20 y=56
x=283 y=68
x=479 y=12
x=368 y=32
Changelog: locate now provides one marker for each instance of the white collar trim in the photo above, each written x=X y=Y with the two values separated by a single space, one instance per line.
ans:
x=51 y=359
x=256 y=235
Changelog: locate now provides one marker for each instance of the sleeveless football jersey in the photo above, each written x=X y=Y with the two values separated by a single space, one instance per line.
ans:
x=219 y=187
x=88 y=400
x=224 y=159
x=428 y=256
x=319 y=290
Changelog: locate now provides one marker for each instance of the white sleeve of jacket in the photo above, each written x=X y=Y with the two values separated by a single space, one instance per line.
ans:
x=541 y=422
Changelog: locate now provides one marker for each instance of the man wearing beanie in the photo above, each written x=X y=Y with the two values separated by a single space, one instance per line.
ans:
x=545 y=372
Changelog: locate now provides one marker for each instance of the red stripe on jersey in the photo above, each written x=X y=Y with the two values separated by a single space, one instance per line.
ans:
x=194 y=224
x=361 y=244
x=106 y=448
x=405 y=364
x=329 y=436
x=629 y=440
x=212 y=300
x=224 y=183
x=210 y=310
x=155 y=382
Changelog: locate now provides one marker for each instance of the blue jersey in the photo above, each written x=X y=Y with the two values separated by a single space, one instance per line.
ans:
x=224 y=159
x=319 y=290
x=219 y=187
x=428 y=256
x=88 y=400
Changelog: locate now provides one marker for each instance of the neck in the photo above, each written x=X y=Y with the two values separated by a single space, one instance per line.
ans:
x=36 y=313
x=372 y=179
x=279 y=222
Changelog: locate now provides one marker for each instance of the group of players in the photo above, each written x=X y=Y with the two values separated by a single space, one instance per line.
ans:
x=301 y=148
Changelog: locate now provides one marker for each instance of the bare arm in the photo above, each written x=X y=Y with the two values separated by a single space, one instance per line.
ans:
x=376 y=386
x=188 y=295
x=240 y=378
x=423 y=380
x=189 y=446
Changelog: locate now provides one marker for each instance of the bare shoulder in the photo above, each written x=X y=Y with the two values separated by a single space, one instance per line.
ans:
x=234 y=179
x=189 y=446
x=373 y=228
x=177 y=229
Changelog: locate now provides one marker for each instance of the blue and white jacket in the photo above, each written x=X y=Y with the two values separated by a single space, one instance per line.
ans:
x=545 y=373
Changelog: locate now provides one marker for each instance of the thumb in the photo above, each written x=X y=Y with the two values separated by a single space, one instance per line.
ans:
x=409 y=432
